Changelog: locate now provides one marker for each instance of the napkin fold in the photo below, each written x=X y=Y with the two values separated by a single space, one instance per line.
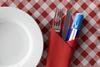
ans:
x=60 y=53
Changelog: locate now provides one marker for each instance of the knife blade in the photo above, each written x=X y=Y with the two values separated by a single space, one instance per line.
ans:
x=66 y=24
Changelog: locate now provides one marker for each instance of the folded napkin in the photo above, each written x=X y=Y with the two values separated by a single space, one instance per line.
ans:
x=60 y=52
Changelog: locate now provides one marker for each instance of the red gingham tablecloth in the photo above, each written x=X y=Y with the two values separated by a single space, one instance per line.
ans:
x=88 y=53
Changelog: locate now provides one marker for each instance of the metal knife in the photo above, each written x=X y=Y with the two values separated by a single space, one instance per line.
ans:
x=66 y=24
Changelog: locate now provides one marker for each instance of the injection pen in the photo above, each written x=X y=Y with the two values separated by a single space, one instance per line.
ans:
x=74 y=30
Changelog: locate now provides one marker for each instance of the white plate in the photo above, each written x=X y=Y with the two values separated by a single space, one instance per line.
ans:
x=21 y=41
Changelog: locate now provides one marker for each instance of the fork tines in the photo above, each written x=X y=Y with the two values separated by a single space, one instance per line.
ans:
x=57 y=20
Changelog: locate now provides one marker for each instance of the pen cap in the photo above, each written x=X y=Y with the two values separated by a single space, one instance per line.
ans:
x=77 y=21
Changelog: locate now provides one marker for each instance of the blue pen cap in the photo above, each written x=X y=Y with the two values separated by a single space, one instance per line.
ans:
x=77 y=21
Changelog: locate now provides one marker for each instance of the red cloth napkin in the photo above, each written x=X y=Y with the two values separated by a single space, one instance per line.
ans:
x=60 y=52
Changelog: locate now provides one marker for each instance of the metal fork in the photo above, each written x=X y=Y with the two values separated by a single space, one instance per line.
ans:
x=57 y=20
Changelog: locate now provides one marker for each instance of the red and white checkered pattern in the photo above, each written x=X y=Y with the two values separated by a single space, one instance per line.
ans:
x=88 y=53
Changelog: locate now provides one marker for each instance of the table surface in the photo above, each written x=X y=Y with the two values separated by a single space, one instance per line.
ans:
x=88 y=52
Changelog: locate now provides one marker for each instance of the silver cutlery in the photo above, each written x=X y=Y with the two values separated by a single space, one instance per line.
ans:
x=57 y=20
x=66 y=24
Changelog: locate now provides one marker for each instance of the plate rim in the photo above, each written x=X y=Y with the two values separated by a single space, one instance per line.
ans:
x=13 y=9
